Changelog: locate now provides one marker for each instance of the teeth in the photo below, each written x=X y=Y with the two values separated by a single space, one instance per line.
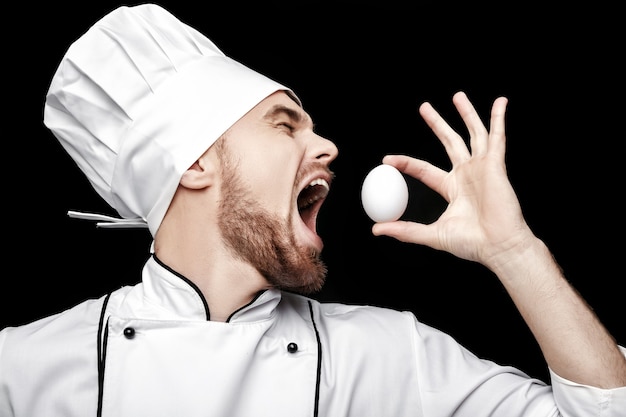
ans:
x=308 y=197
x=319 y=181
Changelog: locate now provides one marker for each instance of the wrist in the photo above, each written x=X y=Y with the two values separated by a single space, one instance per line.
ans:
x=527 y=256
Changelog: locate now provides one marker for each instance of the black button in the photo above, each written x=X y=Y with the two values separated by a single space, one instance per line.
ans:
x=129 y=332
x=292 y=348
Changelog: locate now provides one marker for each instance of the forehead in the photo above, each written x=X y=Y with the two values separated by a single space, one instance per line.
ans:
x=281 y=104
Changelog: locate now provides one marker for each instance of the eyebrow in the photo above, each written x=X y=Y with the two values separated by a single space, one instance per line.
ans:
x=293 y=114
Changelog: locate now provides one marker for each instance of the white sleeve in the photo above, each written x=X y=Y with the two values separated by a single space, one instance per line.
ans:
x=454 y=381
x=6 y=409
x=583 y=400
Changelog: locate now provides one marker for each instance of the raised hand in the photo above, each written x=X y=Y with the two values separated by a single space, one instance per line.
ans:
x=483 y=218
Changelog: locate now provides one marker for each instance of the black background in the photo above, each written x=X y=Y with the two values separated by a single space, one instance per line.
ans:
x=361 y=72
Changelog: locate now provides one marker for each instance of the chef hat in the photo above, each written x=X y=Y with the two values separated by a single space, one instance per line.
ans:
x=139 y=98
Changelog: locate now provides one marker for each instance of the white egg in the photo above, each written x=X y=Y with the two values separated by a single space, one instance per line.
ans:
x=384 y=194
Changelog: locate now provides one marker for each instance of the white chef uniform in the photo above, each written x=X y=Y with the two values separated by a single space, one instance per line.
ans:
x=150 y=350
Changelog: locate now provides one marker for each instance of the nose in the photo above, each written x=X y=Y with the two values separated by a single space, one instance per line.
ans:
x=324 y=150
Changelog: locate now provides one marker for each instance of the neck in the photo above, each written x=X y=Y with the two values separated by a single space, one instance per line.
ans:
x=226 y=282
x=190 y=242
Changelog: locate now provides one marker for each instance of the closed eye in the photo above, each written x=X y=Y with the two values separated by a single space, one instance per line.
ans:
x=287 y=118
x=287 y=126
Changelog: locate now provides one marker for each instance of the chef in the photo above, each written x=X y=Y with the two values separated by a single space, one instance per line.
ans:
x=224 y=168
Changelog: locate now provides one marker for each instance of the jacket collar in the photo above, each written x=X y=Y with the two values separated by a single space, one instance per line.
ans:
x=166 y=294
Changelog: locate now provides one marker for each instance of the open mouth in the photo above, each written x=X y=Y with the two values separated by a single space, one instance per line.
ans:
x=310 y=200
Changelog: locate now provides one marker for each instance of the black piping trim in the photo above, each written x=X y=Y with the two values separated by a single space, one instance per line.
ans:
x=256 y=297
x=191 y=284
x=102 y=347
x=319 y=363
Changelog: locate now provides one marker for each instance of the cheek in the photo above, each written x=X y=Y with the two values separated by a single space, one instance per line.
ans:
x=271 y=175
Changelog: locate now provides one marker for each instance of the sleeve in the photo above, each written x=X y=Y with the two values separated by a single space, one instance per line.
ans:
x=583 y=400
x=49 y=367
x=6 y=410
x=454 y=381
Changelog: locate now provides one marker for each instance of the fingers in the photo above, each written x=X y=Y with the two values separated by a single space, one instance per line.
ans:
x=423 y=171
x=408 y=232
x=475 y=127
x=497 y=135
x=480 y=139
x=452 y=142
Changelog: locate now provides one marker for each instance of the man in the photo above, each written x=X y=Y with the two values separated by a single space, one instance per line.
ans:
x=225 y=169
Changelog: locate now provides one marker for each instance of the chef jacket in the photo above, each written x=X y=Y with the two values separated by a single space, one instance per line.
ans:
x=150 y=350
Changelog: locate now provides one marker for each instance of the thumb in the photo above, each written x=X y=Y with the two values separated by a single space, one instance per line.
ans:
x=409 y=232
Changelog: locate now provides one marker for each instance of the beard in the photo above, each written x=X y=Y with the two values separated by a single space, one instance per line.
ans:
x=262 y=239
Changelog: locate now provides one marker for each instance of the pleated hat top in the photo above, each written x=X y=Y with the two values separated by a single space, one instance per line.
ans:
x=138 y=98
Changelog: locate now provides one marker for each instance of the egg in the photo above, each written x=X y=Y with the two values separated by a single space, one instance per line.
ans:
x=384 y=194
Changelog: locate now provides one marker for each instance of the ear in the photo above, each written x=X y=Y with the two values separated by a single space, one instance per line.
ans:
x=199 y=175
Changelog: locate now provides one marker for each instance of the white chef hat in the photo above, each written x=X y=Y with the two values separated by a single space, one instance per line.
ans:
x=139 y=98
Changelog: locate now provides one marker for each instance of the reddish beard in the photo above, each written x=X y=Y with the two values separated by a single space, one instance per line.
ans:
x=263 y=240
